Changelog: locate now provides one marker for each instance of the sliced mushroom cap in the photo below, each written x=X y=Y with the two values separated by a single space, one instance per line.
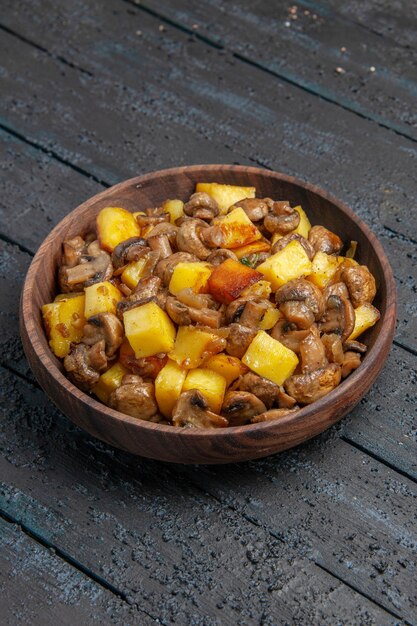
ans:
x=135 y=398
x=307 y=388
x=338 y=318
x=84 y=364
x=282 y=219
x=178 y=311
x=287 y=334
x=145 y=221
x=267 y=391
x=213 y=236
x=72 y=251
x=255 y=208
x=168 y=229
x=273 y=414
x=201 y=206
x=189 y=240
x=336 y=289
x=333 y=348
x=165 y=267
x=355 y=346
x=239 y=339
x=323 y=240
x=351 y=361
x=160 y=243
x=218 y=256
x=129 y=250
x=360 y=283
x=297 y=313
x=145 y=291
x=94 y=265
x=197 y=300
x=312 y=352
x=239 y=407
x=301 y=290
x=284 y=241
x=192 y=410
x=235 y=309
x=253 y=312
x=107 y=327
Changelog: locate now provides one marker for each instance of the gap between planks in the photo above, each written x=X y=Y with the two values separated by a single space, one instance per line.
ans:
x=67 y=558
x=286 y=77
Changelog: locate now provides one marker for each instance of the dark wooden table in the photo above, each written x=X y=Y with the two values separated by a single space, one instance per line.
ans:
x=96 y=92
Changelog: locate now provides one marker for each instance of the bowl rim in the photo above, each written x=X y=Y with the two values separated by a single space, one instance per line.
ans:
x=372 y=362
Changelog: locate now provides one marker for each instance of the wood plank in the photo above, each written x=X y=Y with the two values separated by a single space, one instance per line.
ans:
x=303 y=44
x=38 y=587
x=180 y=555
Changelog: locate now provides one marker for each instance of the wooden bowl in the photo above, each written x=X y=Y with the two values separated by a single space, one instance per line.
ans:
x=232 y=444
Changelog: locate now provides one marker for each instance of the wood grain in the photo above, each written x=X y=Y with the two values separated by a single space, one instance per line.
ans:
x=192 y=445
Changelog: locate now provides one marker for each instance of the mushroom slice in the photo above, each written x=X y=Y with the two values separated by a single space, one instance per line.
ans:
x=107 y=327
x=351 y=361
x=218 y=256
x=201 y=206
x=355 y=346
x=338 y=318
x=213 y=236
x=188 y=238
x=360 y=283
x=178 y=311
x=129 y=250
x=197 y=300
x=336 y=289
x=168 y=229
x=267 y=391
x=297 y=313
x=145 y=291
x=273 y=414
x=282 y=219
x=333 y=348
x=72 y=251
x=323 y=240
x=94 y=266
x=284 y=241
x=192 y=410
x=239 y=339
x=234 y=310
x=307 y=388
x=254 y=312
x=301 y=290
x=160 y=243
x=135 y=397
x=165 y=268
x=255 y=208
x=152 y=220
x=312 y=352
x=239 y=407
x=287 y=334
x=84 y=364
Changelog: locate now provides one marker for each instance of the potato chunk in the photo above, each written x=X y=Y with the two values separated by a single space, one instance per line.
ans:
x=168 y=386
x=366 y=316
x=175 y=208
x=193 y=346
x=64 y=322
x=237 y=229
x=109 y=381
x=229 y=279
x=304 y=225
x=190 y=276
x=149 y=330
x=230 y=367
x=289 y=263
x=132 y=273
x=114 y=225
x=101 y=298
x=270 y=318
x=211 y=384
x=252 y=248
x=270 y=358
x=226 y=195
x=324 y=268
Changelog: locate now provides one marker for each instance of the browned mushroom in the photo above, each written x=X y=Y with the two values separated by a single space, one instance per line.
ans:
x=356 y=346
x=360 y=283
x=333 y=348
x=301 y=290
x=107 y=327
x=197 y=300
x=282 y=219
x=312 y=352
x=189 y=240
x=307 y=388
x=136 y=398
x=239 y=339
x=255 y=208
x=201 y=206
x=273 y=414
x=351 y=361
x=239 y=407
x=336 y=289
x=94 y=265
x=297 y=313
x=72 y=251
x=218 y=256
x=323 y=240
x=165 y=267
x=152 y=218
x=288 y=334
x=128 y=251
x=284 y=241
x=145 y=291
x=84 y=364
x=192 y=410
x=267 y=391
x=168 y=229
x=338 y=318
x=160 y=243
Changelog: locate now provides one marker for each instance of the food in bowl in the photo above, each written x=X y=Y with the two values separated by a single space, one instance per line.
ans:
x=221 y=311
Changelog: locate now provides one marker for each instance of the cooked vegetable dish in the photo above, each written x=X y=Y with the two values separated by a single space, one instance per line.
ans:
x=221 y=311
